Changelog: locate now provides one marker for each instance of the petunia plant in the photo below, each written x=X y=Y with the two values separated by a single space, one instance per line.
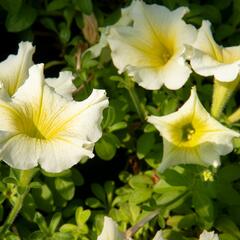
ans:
x=119 y=120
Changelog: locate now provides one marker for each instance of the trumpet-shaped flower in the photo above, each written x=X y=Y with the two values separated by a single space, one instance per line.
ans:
x=152 y=50
x=38 y=126
x=192 y=136
x=124 y=20
x=14 y=72
x=110 y=230
x=211 y=59
x=208 y=236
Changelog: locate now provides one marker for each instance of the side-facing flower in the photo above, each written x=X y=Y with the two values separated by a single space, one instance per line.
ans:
x=192 y=136
x=110 y=230
x=124 y=20
x=211 y=59
x=14 y=72
x=208 y=236
x=38 y=126
x=152 y=50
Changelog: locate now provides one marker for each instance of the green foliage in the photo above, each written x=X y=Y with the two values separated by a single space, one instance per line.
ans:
x=71 y=204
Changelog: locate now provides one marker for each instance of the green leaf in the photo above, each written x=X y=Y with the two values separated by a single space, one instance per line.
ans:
x=145 y=144
x=68 y=227
x=105 y=147
x=204 y=208
x=140 y=195
x=29 y=207
x=77 y=177
x=21 y=20
x=56 y=218
x=43 y=198
x=93 y=203
x=168 y=197
x=57 y=5
x=62 y=236
x=65 y=187
x=40 y=221
x=10 y=7
x=84 y=6
x=98 y=191
x=64 y=33
x=140 y=181
x=109 y=187
x=82 y=216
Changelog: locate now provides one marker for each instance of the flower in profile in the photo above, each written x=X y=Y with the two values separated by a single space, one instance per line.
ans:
x=208 y=236
x=192 y=136
x=210 y=59
x=152 y=50
x=124 y=20
x=38 y=126
x=110 y=230
x=14 y=72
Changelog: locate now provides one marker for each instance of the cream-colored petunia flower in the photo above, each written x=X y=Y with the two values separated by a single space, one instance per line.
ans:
x=38 y=126
x=210 y=59
x=14 y=72
x=208 y=236
x=124 y=20
x=152 y=50
x=110 y=230
x=192 y=136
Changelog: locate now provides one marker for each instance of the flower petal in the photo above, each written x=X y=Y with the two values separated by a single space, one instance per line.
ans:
x=63 y=85
x=110 y=230
x=20 y=151
x=158 y=236
x=14 y=70
x=208 y=236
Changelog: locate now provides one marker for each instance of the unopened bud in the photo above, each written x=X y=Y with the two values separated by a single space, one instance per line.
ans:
x=90 y=29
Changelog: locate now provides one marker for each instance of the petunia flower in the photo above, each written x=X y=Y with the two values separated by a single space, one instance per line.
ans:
x=124 y=20
x=192 y=136
x=110 y=230
x=158 y=236
x=14 y=72
x=38 y=126
x=208 y=236
x=153 y=50
x=211 y=59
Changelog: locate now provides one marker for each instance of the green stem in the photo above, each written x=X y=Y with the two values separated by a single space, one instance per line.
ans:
x=135 y=99
x=234 y=117
x=131 y=231
x=222 y=91
x=24 y=182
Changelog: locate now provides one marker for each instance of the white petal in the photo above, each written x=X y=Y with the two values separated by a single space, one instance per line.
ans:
x=176 y=73
x=32 y=90
x=63 y=85
x=208 y=236
x=174 y=155
x=14 y=70
x=206 y=43
x=20 y=151
x=205 y=65
x=110 y=230
x=61 y=154
x=158 y=236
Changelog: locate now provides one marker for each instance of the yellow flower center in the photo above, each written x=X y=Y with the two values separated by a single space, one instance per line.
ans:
x=187 y=132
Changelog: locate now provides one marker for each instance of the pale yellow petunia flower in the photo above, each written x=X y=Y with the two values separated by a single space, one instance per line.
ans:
x=192 y=136
x=152 y=50
x=40 y=127
x=211 y=59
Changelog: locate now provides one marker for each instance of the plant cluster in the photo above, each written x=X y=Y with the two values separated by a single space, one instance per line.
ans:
x=134 y=132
